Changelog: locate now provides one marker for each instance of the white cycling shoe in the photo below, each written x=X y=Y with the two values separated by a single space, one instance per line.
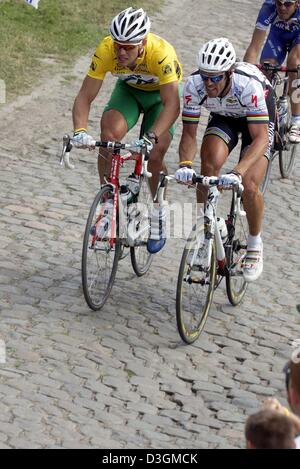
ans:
x=294 y=134
x=253 y=264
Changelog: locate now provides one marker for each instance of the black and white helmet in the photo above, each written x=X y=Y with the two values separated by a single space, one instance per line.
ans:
x=217 y=55
x=131 y=25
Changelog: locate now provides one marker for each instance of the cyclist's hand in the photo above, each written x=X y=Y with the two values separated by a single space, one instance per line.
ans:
x=82 y=139
x=226 y=181
x=148 y=143
x=273 y=404
x=184 y=175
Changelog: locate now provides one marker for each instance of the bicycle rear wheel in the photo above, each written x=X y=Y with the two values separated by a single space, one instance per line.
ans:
x=288 y=151
x=287 y=159
x=236 y=248
x=141 y=259
x=100 y=252
x=195 y=285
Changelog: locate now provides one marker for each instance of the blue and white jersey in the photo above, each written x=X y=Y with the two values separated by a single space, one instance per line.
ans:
x=268 y=17
x=245 y=98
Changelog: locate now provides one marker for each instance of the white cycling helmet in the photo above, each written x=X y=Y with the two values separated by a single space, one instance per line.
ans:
x=217 y=55
x=131 y=25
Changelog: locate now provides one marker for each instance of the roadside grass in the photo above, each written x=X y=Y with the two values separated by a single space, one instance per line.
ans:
x=34 y=42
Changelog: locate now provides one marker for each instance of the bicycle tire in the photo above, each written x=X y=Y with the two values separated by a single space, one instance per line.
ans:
x=236 y=247
x=99 y=259
x=189 y=304
x=266 y=179
x=288 y=152
x=141 y=259
x=287 y=159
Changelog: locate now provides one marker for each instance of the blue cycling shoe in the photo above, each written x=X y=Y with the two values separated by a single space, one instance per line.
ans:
x=155 y=245
x=157 y=238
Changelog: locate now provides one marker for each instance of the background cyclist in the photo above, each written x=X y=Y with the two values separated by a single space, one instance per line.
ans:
x=240 y=100
x=283 y=41
x=148 y=73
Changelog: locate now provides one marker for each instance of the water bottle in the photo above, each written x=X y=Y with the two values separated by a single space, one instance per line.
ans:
x=133 y=184
x=282 y=109
x=222 y=227
x=126 y=195
x=102 y=228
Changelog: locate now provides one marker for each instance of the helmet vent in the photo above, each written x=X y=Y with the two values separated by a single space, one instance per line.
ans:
x=216 y=56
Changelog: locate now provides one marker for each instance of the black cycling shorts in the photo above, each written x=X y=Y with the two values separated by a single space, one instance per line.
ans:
x=230 y=128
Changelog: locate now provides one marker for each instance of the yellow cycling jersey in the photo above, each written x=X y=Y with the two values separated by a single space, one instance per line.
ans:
x=158 y=64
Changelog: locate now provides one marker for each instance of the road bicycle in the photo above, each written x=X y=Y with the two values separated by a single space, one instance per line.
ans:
x=282 y=147
x=119 y=218
x=215 y=249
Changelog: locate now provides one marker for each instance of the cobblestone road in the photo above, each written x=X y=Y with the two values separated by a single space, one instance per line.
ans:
x=121 y=378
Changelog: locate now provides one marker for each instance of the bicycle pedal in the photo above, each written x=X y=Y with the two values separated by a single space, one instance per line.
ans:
x=96 y=247
x=201 y=281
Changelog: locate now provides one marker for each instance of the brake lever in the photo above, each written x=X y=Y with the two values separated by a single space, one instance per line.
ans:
x=65 y=154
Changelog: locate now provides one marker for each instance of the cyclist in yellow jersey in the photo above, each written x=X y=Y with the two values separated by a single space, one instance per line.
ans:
x=149 y=74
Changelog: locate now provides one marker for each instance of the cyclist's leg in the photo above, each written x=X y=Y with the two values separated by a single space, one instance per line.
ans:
x=252 y=196
x=253 y=199
x=120 y=115
x=293 y=60
x=219 y=140
x=152 y=106
x=254 y=205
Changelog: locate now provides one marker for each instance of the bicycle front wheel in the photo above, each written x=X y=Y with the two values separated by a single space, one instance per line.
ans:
x=236 y=248
x=101 y=251
x=141 y=259
x=286 y=159
x=195 y=285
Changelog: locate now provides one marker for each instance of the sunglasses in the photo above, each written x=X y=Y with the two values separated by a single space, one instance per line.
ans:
x=214 y=79
x=119 y=46
x=285 y=3
x=287 y=373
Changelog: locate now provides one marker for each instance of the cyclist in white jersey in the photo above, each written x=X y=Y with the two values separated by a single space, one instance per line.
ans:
x=241 y=101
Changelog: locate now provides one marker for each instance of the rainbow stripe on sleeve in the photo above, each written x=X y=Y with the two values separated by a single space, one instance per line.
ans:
x=192 y=118
x=258 y=118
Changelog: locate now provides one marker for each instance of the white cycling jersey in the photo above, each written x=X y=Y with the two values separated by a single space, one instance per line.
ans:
x=246 y=97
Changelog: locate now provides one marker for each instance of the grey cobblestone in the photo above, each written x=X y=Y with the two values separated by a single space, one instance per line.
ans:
x=262 y=390
x=225 y=416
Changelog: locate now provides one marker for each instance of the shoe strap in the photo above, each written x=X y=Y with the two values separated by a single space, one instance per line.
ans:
x=252 y=257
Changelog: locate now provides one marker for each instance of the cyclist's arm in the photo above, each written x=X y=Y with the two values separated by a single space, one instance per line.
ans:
x=260 y=142
x=188 y=142
x=255 y=46
x=89 y=90
x=170 y=99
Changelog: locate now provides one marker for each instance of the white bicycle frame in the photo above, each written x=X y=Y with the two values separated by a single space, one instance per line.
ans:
x=210 y=217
